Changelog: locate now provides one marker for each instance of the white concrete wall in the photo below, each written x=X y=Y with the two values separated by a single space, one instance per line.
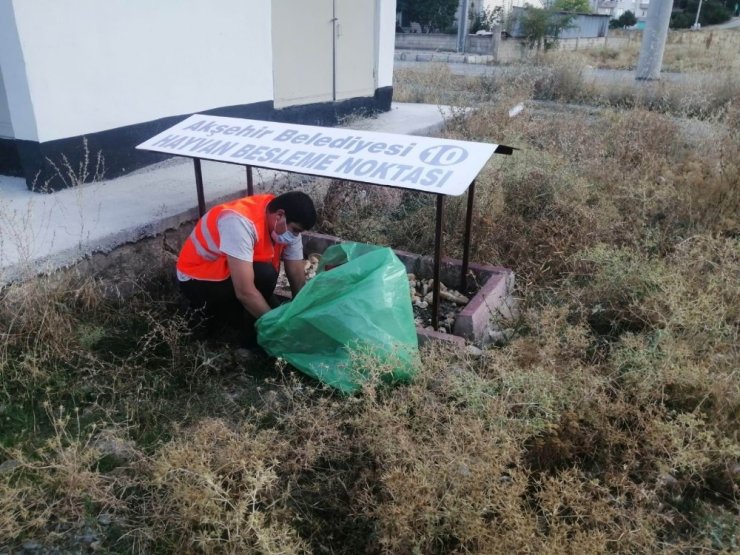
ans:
x=93 y=65
x=386 y=41
x=74 y=67
x=16 y=96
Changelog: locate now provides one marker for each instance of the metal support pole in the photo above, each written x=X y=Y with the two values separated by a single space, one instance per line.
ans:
x=250 y=182
x=462 y=26
x=199 y=187
x=495 y=41
x=335 y=35
x=466 y=239
x=437 y=259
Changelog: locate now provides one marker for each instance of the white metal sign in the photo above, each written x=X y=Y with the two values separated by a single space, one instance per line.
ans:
x=428 y=164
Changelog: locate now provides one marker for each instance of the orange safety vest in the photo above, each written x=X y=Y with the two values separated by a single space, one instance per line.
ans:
x=200 y=256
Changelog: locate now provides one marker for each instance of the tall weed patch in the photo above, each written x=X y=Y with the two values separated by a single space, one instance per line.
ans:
x=217 y=491
x=685 y=51
x=607 y=423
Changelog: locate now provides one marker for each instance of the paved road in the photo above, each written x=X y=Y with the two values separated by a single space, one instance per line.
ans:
x=734 y=23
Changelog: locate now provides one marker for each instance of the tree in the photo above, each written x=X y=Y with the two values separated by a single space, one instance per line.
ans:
x=627 y=19
x=433 y=14
x=486 y=20
x=572 y=6
x=542 y=27
x=712 y=12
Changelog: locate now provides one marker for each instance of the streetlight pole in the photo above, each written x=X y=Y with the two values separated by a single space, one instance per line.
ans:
x=696 y=21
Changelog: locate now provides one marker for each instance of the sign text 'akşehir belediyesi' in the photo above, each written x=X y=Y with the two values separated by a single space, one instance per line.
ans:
x=422 y=163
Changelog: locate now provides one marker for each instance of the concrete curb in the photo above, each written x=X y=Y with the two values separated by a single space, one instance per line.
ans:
x=441 y=57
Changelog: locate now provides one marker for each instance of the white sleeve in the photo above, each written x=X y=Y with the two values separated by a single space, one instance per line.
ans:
x=238 y=236
x=294 y=250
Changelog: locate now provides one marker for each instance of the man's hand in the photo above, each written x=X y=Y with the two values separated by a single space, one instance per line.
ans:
x=295 y=270
x=242 y=276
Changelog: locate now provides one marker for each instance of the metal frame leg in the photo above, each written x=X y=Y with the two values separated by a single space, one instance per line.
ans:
x=250 y=182
x=437 y=259
x=199 y=187
x=466 y=239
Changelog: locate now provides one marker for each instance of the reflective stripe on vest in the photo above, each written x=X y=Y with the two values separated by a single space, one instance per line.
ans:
x=210 y=250
x=200 y=256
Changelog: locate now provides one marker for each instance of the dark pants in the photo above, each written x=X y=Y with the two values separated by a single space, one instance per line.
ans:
x=215 y=308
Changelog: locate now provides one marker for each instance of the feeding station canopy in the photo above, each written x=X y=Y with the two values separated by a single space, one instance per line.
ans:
x=432 y=165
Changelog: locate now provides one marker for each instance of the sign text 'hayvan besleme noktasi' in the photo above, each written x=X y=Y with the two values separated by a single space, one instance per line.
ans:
x=421 y=163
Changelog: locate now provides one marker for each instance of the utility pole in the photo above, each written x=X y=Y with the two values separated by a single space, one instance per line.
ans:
x=653 y=40
x=462 y=26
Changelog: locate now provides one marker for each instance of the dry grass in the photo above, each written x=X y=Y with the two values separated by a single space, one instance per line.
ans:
x=607 y=425
x=710 y=51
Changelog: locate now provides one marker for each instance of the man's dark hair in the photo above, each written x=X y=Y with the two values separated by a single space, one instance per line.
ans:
x=298 y=206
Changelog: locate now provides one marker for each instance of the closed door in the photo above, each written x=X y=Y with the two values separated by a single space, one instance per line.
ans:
x=323 y=50
x=356 y=32
x=302 y=47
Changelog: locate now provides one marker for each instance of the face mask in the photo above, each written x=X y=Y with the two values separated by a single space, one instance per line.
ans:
x=285 y=238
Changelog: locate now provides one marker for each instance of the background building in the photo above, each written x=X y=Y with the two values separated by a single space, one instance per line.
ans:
x=615 y=8
x=480 y=6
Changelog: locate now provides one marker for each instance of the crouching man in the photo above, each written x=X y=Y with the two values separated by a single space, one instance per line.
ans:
x=228 y=266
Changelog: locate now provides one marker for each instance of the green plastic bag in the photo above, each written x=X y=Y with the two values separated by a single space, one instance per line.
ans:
x=353 y=319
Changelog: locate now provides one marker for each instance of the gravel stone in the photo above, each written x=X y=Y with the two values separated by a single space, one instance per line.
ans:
x=32 y=546
x=87 y=539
